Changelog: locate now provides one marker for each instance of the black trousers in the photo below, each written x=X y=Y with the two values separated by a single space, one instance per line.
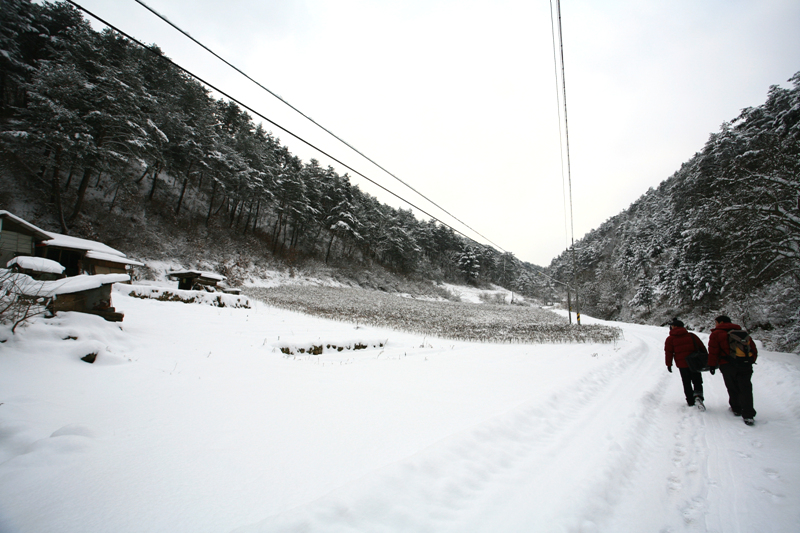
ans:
x=737 y=378
x=692 y=385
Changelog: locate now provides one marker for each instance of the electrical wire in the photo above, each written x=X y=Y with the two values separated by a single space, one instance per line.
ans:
x=207 y=49
x=566 y=122
x=232 y=99
x=560 y=133
x=569 y=170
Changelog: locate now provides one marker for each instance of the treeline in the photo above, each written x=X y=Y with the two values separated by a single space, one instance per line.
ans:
x=93 y=115
x=721 y=234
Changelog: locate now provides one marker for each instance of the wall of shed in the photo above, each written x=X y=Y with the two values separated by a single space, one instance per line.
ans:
x=12 y=244
x=89 y=300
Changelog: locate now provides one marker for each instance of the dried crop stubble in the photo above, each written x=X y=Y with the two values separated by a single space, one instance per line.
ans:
x=450 y=320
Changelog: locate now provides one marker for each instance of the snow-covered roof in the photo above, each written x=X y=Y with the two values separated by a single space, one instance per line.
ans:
x=91 y=254
x=37 y=264
x=84 y=282
x=39 y=232
x=196 y=273
x=32 y=287
x=75 y=243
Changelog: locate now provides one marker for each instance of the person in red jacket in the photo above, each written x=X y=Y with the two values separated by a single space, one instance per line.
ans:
x=678 y=345
x=737 y=375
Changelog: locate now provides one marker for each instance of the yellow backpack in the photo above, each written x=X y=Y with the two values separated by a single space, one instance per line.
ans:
x=739 y=346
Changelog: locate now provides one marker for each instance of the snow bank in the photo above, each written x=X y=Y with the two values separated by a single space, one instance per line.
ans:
x=478 y=296
x=274 y=278
x=216 y=299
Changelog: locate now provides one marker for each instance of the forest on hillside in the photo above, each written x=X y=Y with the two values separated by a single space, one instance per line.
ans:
x=96 y=123
x=722 y=235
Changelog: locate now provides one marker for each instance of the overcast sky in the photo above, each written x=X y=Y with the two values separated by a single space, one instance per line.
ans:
x=458 y=97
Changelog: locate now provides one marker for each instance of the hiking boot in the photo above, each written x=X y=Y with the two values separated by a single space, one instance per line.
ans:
x=735 y=413
x=699 y=403
x=749 y=421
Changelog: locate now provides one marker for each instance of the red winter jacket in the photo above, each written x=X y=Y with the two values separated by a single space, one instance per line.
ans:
x=718 y=347
x=679 y=344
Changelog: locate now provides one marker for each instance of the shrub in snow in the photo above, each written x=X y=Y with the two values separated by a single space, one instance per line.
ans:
x=19 y=300
x=317 y=348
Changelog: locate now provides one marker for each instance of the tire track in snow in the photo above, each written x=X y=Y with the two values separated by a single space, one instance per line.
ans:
x=593 y=502
x=447 y=486
x=718 y=474
x=753 y=478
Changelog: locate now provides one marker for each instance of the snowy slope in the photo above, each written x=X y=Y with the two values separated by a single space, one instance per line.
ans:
x=192 y=420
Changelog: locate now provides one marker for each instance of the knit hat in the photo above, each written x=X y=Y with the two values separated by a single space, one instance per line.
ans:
x=676 y=323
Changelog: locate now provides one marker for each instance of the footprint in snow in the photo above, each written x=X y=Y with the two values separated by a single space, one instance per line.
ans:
x=73 y=429
x=775 y=498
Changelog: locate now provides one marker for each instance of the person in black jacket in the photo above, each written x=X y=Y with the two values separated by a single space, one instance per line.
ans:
x=679 y=344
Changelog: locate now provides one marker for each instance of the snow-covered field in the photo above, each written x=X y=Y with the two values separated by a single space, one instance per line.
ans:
x=191 y=419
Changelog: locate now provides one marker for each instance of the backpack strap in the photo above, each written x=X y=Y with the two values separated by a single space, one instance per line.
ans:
x=698 y=344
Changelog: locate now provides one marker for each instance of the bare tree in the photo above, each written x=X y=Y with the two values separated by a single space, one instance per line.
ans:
x=20 y=298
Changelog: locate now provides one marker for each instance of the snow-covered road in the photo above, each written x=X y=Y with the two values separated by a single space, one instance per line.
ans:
x=614 y=450
x=191 y=420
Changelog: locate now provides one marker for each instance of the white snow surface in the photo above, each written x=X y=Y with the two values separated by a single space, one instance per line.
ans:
x=192 y=420
x=37 y=264
x=476 y=295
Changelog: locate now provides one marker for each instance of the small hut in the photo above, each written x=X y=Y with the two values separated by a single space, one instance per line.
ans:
x=78 y=256
x=85 y=294
x=196 y=279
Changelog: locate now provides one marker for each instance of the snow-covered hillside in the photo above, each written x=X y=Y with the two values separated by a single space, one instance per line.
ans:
x=191 y=419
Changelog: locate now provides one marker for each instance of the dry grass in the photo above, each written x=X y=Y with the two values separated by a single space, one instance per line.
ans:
x=450 y=320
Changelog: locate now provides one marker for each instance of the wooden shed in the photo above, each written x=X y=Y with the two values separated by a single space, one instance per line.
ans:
x=78 y=256
x=85 y=294
x=195 y=279
x=18 y=237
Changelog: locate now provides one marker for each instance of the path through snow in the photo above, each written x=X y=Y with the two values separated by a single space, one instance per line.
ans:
x=191 y=420
x=617 y=450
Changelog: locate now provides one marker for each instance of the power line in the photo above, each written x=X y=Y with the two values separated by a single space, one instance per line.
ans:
x=566 y=122
x=207 y=49
x=560 y=133
x=569 y=171
x=232 y=99
x=561 y=154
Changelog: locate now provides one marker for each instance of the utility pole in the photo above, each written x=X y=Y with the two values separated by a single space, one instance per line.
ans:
x=569 y=169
